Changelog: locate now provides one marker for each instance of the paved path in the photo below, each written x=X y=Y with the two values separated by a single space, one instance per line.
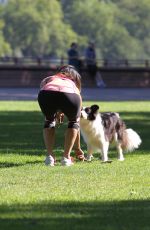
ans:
x=90 y=94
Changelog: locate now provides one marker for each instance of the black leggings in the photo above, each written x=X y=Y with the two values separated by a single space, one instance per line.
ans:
x=52 y=101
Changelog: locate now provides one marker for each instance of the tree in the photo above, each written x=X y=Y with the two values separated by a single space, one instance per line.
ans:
x=135 y=17
x=37 y=27
x=115 y=26
x=4 y=47
x=120 y=29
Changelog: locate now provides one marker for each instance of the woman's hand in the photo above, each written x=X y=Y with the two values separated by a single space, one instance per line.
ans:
x=59 y=117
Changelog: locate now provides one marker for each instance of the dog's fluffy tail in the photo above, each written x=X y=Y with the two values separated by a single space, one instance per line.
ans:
x=131 y=140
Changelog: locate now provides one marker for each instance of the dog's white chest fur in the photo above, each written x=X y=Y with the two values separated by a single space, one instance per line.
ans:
x=92 y=132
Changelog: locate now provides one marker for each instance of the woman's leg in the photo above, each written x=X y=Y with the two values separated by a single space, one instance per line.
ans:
x=77 y=148
x=71 y=109
x=70 y=138
x=77 y=142
x=49 y=140
x=45 y=99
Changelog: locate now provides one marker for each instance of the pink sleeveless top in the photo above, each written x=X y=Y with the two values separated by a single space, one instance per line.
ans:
x=61 y=83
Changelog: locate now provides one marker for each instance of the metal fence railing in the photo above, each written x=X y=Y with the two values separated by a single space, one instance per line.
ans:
x=53 y=62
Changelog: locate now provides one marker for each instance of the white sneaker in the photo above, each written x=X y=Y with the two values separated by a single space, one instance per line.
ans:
x=66 y=162
x=49 y=161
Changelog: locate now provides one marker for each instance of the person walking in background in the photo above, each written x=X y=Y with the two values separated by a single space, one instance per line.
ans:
x=73 y=56
x=90 y=59
x=60 y=95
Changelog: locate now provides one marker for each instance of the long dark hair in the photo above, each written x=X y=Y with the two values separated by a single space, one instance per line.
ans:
x=71 y=72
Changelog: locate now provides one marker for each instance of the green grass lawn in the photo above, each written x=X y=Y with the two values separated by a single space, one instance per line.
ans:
x=87 y=196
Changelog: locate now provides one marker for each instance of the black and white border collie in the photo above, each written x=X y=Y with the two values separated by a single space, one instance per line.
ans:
x=99 y=130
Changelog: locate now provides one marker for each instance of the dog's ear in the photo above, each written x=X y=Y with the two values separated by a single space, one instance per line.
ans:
x=87 y=110
x=94 y=108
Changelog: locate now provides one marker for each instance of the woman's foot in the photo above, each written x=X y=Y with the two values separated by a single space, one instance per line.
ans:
x=49 y=161
x=67 y=161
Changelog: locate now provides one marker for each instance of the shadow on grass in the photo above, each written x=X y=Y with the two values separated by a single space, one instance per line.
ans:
x=11 y=165
x=123 y=215
x=21 y=132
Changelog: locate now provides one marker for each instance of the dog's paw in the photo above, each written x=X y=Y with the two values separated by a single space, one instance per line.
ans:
x=121 y=159
x=89 y=158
